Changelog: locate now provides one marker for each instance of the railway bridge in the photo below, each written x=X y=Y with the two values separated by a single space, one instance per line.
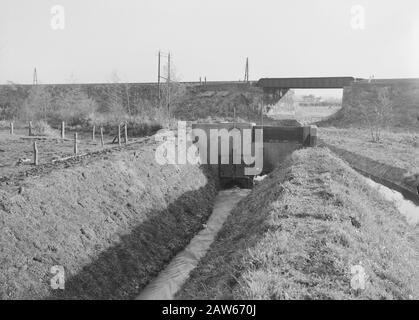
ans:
x=275 y=88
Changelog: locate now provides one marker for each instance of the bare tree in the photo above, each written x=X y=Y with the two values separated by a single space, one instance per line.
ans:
x=38 y=103
x=174 y=90
x=377 y=112
x=116 y=92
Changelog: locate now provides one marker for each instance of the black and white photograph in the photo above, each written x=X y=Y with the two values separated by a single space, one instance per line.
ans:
x=209 y=154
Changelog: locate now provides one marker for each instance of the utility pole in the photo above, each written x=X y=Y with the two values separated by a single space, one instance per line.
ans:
x=158 y=77
x=167 y=78
x=35 y=77
x=246 y=71
x=168 y=82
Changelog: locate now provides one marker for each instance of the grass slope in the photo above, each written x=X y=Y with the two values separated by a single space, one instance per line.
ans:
x=299 y=232
x=112 y=222
x=201 y=103
x=398 y=149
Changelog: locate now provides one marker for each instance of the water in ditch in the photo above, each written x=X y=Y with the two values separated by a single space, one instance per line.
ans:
x=170 y=280
x=407 y=208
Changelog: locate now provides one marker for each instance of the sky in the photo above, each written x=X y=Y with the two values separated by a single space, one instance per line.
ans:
x=211 y=39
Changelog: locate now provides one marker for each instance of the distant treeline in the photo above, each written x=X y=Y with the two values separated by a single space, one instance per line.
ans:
x=80 y=104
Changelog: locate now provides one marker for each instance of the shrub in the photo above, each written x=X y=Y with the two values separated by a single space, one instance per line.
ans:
x=42 y=128
x=378 y=113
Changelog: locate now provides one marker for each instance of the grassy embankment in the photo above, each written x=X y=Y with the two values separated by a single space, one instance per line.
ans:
x=398 y=149
x=299 y=232
x=112 y=221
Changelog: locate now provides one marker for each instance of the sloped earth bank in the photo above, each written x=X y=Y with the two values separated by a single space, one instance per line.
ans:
x=302 y=230
x=407 y=208
x=397 y=149
x=113 y=221
x=394 y=177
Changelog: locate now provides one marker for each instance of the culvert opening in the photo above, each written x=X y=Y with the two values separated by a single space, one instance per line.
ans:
x=236 y=183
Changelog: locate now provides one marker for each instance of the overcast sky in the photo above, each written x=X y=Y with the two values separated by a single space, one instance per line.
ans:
x=207 y=38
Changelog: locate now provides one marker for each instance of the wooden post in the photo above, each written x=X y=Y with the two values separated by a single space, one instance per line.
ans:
x=76 y=150
x=306 y=136
x=35 y=154
x=93 y=133
x=62 y=130
x=119 y=134
x=11 y=128
x=101 y=136
x=30 y=128
x=126 y=133
x=313 y=136
x=261 y=114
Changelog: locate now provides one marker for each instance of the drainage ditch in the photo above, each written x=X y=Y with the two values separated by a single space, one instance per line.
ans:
x=406 y=207
x=170 y=280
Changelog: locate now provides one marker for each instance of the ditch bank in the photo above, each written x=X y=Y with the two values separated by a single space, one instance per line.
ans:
x=306 y=232
x=112 y=222
x=389 y=176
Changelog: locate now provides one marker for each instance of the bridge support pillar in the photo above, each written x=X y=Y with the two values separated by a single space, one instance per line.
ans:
x=273 y=95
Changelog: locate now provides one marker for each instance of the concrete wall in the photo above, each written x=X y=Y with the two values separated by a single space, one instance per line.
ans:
x=278 y=143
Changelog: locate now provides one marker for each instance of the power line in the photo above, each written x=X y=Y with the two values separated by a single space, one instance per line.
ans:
x=168 y=81
x=158 y=77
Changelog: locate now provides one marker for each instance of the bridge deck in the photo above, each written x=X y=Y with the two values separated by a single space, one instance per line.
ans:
x=306 y=83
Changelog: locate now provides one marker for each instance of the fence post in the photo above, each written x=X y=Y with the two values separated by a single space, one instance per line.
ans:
x=101 y=136
x=93 y=133
x=261 y=114
x=306 y=136
x=30 y=128
x=35 y=154
x=313 y=136
x=119 y=134
x=126 y=133
x=11 y=128
x=62 y=130
x=75 y=144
